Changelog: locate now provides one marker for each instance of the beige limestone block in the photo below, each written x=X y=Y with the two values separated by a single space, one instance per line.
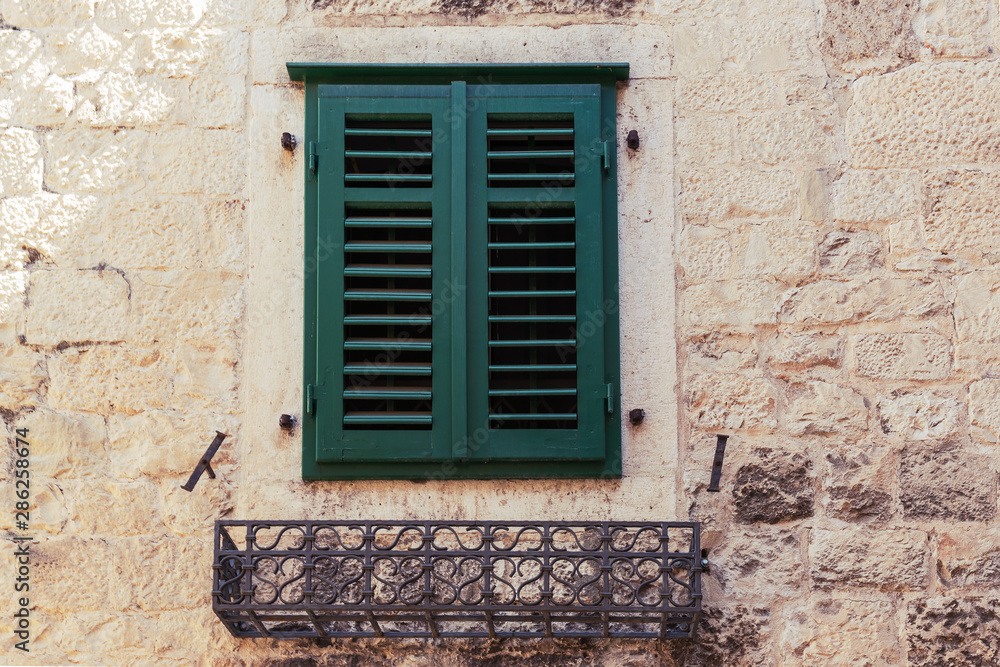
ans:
x=771 y=43
x=756 y=563
x=868 y=38
x=643 y=46
x=968 y=559
x=216 y=101
x=71 y=573
x=926 y=114
x=909 y=356
x=920 y=416
x=844 y=252
x=843 y=631
x=937 y=634
x=823 y=408
x=705 y=253
x=245 y=13
x=721 y=194
x=781 y=137
x=807 y=350
x=955 y=28
x=17 y=47
x=698 y=49
x=20 y=162
x=977 y=306
x=43 y=13
x=720 y=401
x=77 y=306
x=157 y=573
x=199 y=307
x=66 y=444
x=88 y=49
x=162 y=443
x=39 y=97
x=705 y=140
x=780 y=249
x=114 y=507
x=737 y=92
x=709 y=306
x=984 y=409
x=83 y=160
x=63 y=230
x=961 y=217
x=863 y=195
x=107 y=379
x=51 y=504
x=160 y=233
x=185 y=160
x=13 y=285
x=21 y=375
x=190 y=50
x=859 y=482
x=125 y=98
x=222 y=241
x=893 y=559
x=862 y=300
x=206 y=379
x=951 y=484
x=191 y=515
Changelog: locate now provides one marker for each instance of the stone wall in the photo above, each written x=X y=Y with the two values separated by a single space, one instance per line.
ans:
x=809 y=247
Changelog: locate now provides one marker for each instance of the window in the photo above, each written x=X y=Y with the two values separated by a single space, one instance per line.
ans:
x=461 y=271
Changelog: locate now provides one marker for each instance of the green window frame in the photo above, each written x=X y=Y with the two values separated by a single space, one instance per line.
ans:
x=461 y=283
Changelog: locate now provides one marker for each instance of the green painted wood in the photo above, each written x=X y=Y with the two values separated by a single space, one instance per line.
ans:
x=442 y=74
x=357 y=436
x=370 y=454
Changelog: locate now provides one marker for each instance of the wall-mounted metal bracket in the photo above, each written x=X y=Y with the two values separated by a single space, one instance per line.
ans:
x=205 y=464
x=720 y=454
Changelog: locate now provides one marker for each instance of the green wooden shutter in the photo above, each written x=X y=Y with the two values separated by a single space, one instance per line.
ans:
x=537 y=381
x=382 y=256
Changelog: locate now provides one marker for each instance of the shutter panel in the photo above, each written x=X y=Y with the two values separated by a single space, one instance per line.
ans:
x=536 y=358
x=383 y=256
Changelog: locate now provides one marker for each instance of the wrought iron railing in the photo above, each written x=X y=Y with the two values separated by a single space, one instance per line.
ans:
x=330 y=579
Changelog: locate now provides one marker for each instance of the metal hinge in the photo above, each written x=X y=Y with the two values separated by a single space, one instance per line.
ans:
x=313 y=160
x=609 y=398
x=606 y=157
x=310 y=399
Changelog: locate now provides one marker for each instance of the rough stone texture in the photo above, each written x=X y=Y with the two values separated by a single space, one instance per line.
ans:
x=984 y=409
x=920 y=416
x=822 y=408
x=893 y=123
x=964 y=632
x=841 y=631
x=859 y=484
x=806 y=351
x=731 y=402
x=831 y=301
x=49 y=321
x=810 y=222
x=954 y=484
x=869 y=35
x=903 y=356
x=875 y=195
x=894 y=559
x=845 y=253
x=777 y=487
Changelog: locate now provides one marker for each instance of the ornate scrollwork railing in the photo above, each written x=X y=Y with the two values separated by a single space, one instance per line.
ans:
x=332 y=579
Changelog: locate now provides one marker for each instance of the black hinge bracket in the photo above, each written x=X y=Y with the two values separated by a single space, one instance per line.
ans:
x=205 y=464
x=720 y=454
